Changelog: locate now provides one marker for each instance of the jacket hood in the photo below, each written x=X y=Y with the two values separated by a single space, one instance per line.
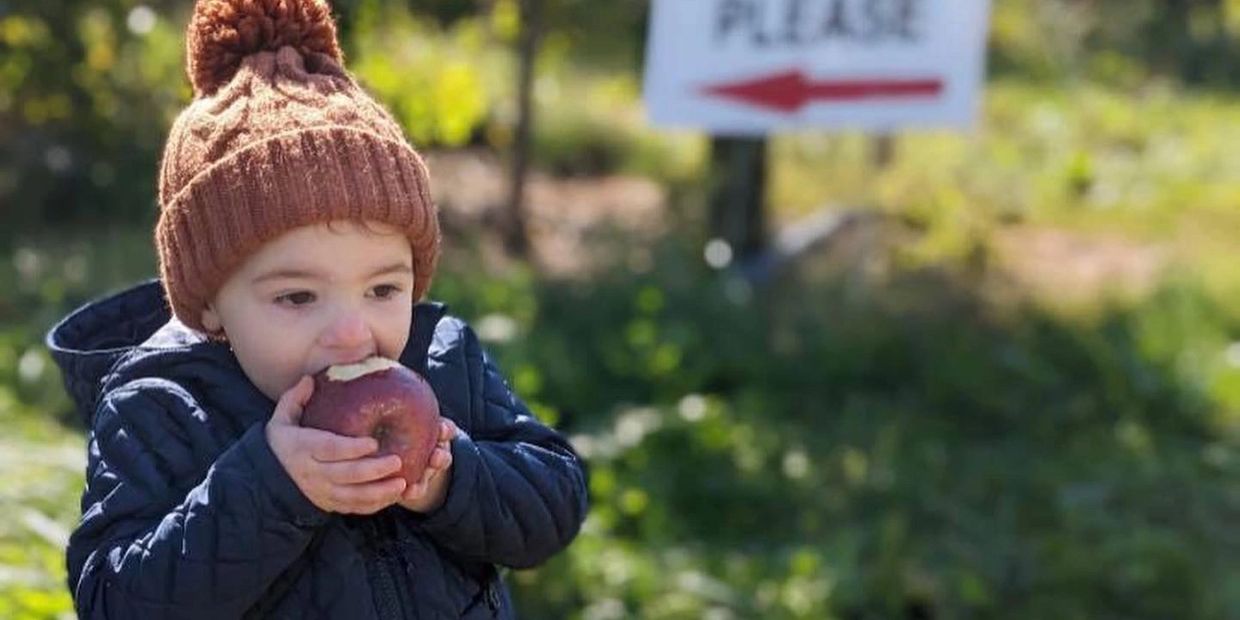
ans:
x=129 y=330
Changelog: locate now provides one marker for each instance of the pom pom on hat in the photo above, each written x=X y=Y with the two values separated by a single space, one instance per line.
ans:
x=222 y=33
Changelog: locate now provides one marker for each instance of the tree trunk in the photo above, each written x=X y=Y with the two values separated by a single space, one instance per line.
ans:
x=515 y=233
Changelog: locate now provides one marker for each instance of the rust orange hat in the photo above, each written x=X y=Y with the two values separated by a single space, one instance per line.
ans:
x=278 y=136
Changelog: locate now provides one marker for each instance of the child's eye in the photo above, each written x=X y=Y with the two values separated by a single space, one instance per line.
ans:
x=385 y=291
x=298 y=298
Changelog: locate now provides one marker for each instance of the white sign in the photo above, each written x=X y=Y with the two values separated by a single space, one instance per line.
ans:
x=745 y=67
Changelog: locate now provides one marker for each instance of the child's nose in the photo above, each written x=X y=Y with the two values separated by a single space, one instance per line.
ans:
x=348 y=331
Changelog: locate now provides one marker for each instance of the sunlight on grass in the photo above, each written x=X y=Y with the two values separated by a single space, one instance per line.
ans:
x=41 y=477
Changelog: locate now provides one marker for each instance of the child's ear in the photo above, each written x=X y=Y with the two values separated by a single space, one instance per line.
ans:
x=211 y=320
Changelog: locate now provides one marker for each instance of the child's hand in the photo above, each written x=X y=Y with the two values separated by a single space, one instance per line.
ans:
x=330 y=469
x=429 y=492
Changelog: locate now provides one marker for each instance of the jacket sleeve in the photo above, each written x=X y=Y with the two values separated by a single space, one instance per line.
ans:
x=178 y=520
x=518 y=491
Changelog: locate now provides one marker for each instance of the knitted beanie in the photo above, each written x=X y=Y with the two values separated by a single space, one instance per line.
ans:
x=278 y=136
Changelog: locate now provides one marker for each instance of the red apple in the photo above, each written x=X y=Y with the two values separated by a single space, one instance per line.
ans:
x=378 y=398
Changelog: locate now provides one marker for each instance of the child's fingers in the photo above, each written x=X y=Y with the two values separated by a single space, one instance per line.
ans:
x=415 y=491
x=439 y=462
x=328 y=447
x=440 y=459
x=447 y=430
x=368 y=497
x=361 y=470
x=288 y=408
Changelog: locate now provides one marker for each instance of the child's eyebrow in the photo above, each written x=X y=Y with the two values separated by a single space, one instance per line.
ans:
x=395 y=268
x=285 y=274
x=291 y=274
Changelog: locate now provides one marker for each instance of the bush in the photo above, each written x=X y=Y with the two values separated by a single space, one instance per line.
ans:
x=915 y=451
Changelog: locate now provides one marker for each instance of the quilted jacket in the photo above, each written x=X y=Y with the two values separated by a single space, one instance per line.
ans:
x=187 y=513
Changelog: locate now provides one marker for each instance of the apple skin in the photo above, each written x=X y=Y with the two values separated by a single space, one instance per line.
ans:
x=378 y=398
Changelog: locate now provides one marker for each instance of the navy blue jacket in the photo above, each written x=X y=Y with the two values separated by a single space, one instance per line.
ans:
x=187 y=513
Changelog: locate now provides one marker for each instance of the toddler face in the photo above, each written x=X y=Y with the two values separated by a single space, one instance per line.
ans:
x=316 y=296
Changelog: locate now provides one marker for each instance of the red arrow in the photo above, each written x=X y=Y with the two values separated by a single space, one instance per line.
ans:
x=790 y=91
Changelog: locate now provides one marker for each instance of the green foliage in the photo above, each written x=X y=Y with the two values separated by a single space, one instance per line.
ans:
x=1157 y=167
x=436 y=83
x=1118 y=42
x=89 y=89
x=917 y=450
x=591 y=125
x=80 y=84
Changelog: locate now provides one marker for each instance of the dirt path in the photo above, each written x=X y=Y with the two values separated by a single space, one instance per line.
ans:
x=1068 y=266
x=567 y=217
x=570 y=220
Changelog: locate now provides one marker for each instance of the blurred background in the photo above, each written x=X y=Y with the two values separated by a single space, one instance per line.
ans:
x=1003 y=380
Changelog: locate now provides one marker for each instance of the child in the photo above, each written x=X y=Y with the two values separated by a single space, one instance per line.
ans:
x=296 y=231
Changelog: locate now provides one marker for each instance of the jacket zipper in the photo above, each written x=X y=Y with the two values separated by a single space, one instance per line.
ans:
x=385 y=587
x=400 y=563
